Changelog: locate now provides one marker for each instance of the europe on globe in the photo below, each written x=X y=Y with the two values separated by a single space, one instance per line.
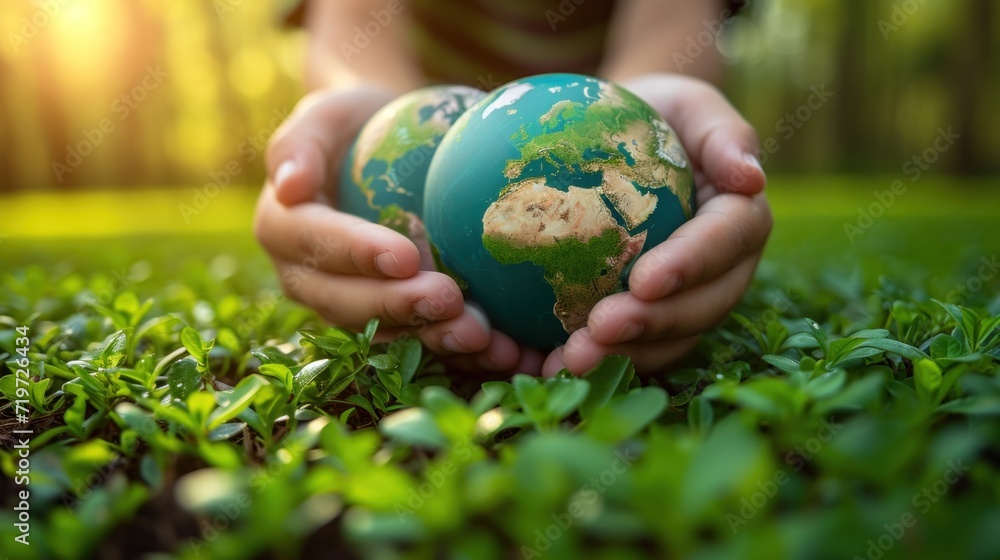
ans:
x=543 y=194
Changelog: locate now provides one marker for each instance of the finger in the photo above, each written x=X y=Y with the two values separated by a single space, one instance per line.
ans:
x=502 y=354
x=351 y=301
x=726 y=230
x=581 y=353
x=467 y=333
x=309 y=145
x=317 y=236
x=554 y=362
x=716 y=137
x=622 y=317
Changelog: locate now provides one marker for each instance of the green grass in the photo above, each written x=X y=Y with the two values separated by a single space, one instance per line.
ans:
x=178 y=410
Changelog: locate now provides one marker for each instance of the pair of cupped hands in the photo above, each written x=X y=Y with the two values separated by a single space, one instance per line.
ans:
x=351 y=270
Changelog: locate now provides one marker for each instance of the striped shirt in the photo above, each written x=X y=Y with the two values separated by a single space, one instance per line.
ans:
x=486 y=43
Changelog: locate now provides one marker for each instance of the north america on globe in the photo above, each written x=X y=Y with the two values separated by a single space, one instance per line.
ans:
x=384 y=173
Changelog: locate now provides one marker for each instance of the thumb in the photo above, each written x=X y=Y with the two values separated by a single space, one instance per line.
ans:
x=305 y=153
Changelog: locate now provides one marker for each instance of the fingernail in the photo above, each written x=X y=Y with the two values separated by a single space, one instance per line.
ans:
x=752 y=160
x=285 y=170
x=671 y=283
x=427 y=309
x=452 y=343
x=388 y=265
x=479 y=315
x=629 y=331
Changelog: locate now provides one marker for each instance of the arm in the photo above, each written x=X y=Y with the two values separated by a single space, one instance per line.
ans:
x=650 y=36
x=342 y=54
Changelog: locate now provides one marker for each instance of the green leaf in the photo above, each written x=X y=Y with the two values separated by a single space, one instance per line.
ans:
x=826 y=385
x=380 y=397
x=233 y=402
x=383 y=362
x=781 y=362
x=272 y=355
x=732 y=372
x=856 y=395
x=200 y=405
x=114 y=351
x=183 y=378
x=973 y=405
x=225 y=431
x=408 y=351
x=75 y=416
x=308 y=374
x=871 y=333
x=565 y=395
x=626 y=415
x=278 y=372
x=801 y=341
x=945 y=346
x=414 y=426
x=610 y=377
x=531 y=395
x=364 y=403
x=700 y=415
x=38 y=398
x=927 y=378
x=194 y=344
x=684 y=397
x=896 y=347
x=492 y=394
x=370 y=329
x=150 y=471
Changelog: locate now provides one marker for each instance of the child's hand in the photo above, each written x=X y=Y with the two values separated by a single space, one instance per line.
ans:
x=689 y=283
x=347 y=268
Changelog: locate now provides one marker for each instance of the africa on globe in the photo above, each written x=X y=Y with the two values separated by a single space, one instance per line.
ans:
x=544 y=193
x=382 y=176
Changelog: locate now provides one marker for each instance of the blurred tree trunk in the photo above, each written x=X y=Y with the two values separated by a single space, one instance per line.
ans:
x=969 y=67
x=54 y=118
x=7 y=169
x=852 y=136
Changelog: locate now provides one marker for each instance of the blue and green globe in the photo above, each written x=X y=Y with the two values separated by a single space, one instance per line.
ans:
x=543 y=194
x=382 y=176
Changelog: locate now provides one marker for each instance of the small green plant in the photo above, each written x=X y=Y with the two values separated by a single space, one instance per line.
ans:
x=199 y=415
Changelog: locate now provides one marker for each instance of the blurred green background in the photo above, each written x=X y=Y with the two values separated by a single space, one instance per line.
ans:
x=185 y=87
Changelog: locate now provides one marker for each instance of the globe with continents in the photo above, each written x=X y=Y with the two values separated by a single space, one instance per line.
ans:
x=544 y=193
x=382 y=176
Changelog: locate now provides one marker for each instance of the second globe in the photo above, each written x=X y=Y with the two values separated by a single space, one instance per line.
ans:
x=544 y=193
